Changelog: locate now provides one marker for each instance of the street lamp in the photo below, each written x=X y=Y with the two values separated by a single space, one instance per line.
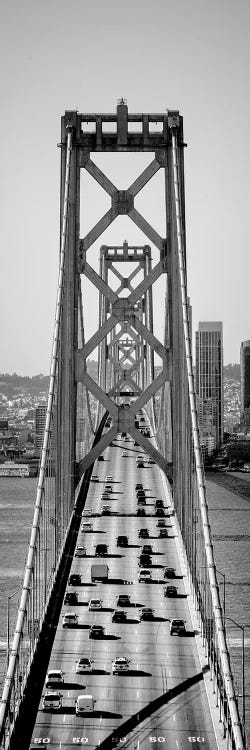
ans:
x=224 y=592
x=242 y=628
x=8 y=622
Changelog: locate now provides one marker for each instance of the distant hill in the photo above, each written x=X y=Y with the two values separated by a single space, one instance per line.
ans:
x=11 y=385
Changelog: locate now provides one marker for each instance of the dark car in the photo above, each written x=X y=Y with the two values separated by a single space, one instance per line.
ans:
x=119 y=615
x=170 y=591
x=141 y=501
x=147 y=549
x=146 y=613
x=145 y=561
x=159 y=512
x=122 y=541
x=96 y=631
x=140 y=465
x=75 y=579
x=140 y=491
x=177 y=627
x=100 y=458
x=163 y=533
x=140 y=512
x=143 y=533
x=101 y=550
x=123 y=600
x=139 y=486
x=159 y=504
x=71 y=597
x=169 y=573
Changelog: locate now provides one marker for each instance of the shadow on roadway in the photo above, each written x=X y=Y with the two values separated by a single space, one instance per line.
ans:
x=70 y=711
x=134 y=721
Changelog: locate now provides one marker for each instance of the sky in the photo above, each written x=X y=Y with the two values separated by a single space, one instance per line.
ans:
x=191 y=55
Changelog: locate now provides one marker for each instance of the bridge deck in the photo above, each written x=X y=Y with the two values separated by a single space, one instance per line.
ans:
x=158 y=662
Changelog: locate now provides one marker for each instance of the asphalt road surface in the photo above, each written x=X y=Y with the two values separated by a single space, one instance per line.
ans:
x=137 y=709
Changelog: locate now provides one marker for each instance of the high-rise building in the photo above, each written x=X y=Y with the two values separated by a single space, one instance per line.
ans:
x=245 y=385
x=40 y=417
x=209 y=382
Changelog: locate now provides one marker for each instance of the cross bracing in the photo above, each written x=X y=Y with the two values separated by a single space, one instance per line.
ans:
x=127 y=347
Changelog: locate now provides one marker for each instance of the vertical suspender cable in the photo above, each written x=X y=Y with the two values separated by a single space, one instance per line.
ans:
x=13 y=662
x=225 y=661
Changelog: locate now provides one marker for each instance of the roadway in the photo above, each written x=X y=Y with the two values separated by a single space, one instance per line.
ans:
x=158 y=662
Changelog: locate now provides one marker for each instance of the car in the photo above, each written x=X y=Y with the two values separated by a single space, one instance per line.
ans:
x=108 y=488
x=140 y=465
x=87 y=512
x=150 y=460
x=159 y=504
x=123 y=434
x=100 y=458
x=144 y=576
x=96 y=631
x=54 y=677
x=94 y=478
x=123 y=600
x=84 y=665
x=169 y=573
x=161 y=523
x=122 y=541
x=177 y=627
x=109 y=478
x=101 y=550
x=87 y=526
x=52 y=701
x=127 y=439
x=75 y=579
x=85 y=704
x=140 y=491
x=135 y=443
x=124 y=454
x=106 y=510
x=140 y=512
x=71 y=597
x=80 y=551
x=141 y=501
x=70 y=620
x=139 y=457
x=145 y=561
x=163 y=533
x=119 y=615
x=143 y=533
x=159 y=512
x=95 y=604
x=139 y=486
x=170 y=591
x=120 y=664
x=104 y=497
x=146 y=613
x=147 y=549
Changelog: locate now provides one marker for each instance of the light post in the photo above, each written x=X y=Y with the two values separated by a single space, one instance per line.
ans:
x=8 y=622
x=224 y=593
x=242 y=628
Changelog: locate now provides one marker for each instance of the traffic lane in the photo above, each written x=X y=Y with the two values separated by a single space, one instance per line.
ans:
x=108 y=519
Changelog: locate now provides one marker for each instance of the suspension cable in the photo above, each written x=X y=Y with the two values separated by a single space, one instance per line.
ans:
x=218 y=615
x=34 y=538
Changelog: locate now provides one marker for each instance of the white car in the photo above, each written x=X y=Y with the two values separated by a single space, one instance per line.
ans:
x=80 y=551
x=124 y=454
x=54 y=677
x=87 y=526
x=94 y=478
x=108 y=488
x=52 y=701
x=87 y=512
x=144 y=576
x=84 y=665
x=106 y=508
x=95 y=604
x=109 y=478
x=69 y=620
x=120 y=664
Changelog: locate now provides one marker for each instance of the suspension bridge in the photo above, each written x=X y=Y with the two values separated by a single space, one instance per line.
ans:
x=142 y=440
